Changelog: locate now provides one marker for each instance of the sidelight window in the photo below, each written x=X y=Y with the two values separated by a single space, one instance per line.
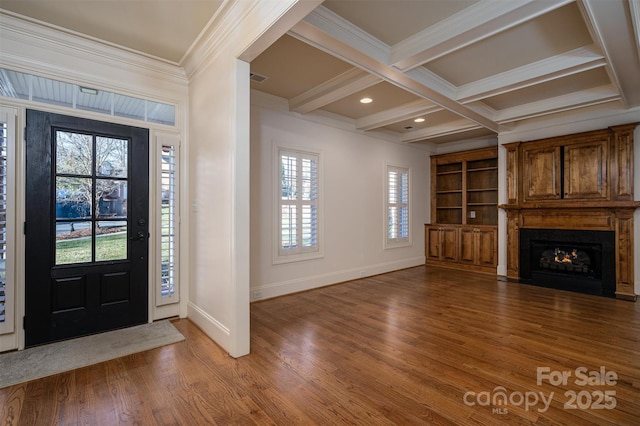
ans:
x=7 y=220
x=168 y=222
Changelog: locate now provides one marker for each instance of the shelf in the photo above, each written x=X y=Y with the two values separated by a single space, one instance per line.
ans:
x=465 y=181
x=482 y=169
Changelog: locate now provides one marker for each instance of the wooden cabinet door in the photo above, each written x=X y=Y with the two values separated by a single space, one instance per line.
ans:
x=478 y=246
x=585 y=170
x=541 y=174
x=487 y=248
x=432 y=236
x=449 y=244
x=468 y=245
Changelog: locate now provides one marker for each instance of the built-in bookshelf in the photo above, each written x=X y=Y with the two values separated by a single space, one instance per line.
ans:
x=448 y=194
x=482 y=192
x=465 y=188
x=464 y=211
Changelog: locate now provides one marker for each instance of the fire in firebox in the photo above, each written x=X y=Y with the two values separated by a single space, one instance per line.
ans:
x=569 y=260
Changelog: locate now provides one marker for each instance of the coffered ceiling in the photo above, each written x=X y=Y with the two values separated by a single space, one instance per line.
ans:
x=470 y=68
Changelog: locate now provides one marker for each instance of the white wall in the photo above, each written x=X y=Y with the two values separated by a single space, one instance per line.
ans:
x=219 y=164
x=353 y=197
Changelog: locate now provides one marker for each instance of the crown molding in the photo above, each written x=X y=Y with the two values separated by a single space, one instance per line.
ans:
x=69 y=43
x=33 y=48
x=211 y=40
x=240 y=25
x=206 y=31
x=466 y=27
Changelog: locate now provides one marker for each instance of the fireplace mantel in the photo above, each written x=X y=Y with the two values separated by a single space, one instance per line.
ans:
x=579 y=182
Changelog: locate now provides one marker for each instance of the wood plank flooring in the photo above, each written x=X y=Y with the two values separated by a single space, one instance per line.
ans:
x=419 y=346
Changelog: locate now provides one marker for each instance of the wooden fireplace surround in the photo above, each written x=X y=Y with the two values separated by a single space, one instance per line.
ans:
x=582 y=181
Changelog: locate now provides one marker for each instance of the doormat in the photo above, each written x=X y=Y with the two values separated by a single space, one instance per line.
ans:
x=47 y=360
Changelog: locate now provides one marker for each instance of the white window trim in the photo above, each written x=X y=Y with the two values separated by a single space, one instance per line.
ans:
x=318 y=252
x=390 y=243
x=8 y=116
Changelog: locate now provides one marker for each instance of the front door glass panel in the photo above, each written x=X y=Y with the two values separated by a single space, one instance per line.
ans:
x=91 y=198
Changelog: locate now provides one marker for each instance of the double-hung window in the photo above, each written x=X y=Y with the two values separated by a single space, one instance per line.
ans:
x=397 y=208
x=298 y=205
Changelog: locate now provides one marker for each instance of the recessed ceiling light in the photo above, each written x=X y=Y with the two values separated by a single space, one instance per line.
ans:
x=419 y=120
x=366 y=100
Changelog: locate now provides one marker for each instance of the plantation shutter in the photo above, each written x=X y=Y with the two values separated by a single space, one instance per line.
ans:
x=168 y=290
x=397 y=204
x=298 y=225
x=7 y=219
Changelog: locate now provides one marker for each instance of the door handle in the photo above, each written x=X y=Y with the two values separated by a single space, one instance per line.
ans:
x=139 y=236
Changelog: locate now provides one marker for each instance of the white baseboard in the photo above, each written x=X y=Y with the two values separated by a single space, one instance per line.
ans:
x=211 y=327
x=268 y=291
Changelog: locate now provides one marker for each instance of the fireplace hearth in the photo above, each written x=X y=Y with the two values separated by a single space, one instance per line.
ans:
x=573 y=260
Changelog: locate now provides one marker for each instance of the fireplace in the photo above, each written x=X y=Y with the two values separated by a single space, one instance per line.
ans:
x=573 y=260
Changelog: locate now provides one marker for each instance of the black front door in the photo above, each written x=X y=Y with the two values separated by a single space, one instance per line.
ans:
x=87 y=214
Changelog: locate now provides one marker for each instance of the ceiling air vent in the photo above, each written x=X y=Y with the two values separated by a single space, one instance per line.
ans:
x=257 y=77
x=408 y=127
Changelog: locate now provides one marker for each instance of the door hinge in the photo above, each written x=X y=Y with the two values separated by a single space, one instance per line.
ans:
x=24 y=228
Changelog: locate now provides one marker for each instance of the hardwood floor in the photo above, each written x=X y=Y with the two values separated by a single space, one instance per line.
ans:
x=420 y=346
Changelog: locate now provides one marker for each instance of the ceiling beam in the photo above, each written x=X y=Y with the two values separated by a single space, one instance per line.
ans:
x=568 y=63
x=466 y=27
x=439 y=130
x=620 y=47
x=595 y=96
x=394 y=115
x=343 y=85
x=323 y=39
